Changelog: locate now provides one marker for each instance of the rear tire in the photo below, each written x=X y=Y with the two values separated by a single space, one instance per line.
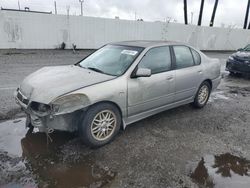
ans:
x=202 y=95
x=100 y=125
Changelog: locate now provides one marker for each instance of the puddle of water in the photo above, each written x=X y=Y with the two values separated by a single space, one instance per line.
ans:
x=21 y=152
x=77 y=175
x=223 y=170
x=11 y=132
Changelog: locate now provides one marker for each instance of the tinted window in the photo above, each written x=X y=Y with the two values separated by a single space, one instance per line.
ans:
x=197 y=57
x=157 y=59
x=247 y=48
x=183 y=57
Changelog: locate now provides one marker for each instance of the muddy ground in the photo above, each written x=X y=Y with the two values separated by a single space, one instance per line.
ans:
x=182 y=147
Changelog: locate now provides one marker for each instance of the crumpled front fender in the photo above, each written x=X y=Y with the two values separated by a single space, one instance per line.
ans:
x=69 y=103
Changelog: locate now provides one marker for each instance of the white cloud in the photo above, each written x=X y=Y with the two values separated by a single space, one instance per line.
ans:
x=229 y=12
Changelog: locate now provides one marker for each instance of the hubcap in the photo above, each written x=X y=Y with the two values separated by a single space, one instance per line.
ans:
x=103 y=125
x=203 y=94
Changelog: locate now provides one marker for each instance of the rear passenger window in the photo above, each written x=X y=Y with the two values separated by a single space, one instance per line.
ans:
x=157 y=59
x=197 y=57
x=183 y=57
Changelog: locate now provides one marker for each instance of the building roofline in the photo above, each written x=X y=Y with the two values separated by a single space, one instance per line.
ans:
x=28 y=11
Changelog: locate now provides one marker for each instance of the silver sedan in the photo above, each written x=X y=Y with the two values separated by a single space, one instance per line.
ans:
x=115 y=86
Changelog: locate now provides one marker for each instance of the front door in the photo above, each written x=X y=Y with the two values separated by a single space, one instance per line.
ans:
x=148 y=93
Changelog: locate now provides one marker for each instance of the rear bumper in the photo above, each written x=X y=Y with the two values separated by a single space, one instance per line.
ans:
x=238 y=67
x=216 y=82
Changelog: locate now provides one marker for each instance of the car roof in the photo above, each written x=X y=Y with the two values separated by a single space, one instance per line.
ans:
x=146 y=43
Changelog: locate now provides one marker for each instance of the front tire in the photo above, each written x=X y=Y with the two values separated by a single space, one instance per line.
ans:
x=232 y=73
x=235 y=74
x=100 y=125
x=202 y=95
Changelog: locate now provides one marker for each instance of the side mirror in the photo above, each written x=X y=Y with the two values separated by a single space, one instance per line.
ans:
x=240 y=49
x=143 y=72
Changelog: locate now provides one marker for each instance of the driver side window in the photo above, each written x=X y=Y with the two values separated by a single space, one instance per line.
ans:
x=157 y=60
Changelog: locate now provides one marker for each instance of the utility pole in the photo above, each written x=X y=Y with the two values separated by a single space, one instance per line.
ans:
x=19 y=5
x=81 y=1
x=201 y=12
x=185 y=12
x=55 y=7
x=246 y=16
x=213 y=15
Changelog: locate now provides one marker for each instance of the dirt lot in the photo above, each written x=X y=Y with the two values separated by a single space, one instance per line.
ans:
x=182 y=147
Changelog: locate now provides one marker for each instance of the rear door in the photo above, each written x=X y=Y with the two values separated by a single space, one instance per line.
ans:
x=189 y=72
x=148 y=93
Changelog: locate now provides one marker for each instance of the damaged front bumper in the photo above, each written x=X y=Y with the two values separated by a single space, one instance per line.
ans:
x=238 y=67
x=48 y=122
x=65 y=122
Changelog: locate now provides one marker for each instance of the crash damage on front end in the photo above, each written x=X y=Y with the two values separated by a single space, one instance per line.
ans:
x=47 y=99
x=62 y=114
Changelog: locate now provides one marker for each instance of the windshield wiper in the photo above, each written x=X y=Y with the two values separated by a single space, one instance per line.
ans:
x=95 y=69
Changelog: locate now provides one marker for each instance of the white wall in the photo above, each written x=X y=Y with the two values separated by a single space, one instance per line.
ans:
x=41 y=31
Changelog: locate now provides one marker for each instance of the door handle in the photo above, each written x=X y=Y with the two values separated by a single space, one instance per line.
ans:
x=170 y=78
x=199 y=71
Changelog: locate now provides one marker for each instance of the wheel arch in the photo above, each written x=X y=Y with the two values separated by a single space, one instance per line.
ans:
x=206 y=80
x=209 y=81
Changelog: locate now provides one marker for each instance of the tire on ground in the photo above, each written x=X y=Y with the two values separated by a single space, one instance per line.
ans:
x=196 y=102
x=86 y=124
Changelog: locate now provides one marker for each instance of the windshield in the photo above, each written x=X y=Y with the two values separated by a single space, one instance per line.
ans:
x=247 y=48
x=111 y=59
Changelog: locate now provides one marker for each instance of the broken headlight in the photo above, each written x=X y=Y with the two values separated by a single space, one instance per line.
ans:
x=40 y=109
x=69 y=103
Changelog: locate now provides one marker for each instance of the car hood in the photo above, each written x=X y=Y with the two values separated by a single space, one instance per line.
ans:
x=244 y=55
x=48 y=83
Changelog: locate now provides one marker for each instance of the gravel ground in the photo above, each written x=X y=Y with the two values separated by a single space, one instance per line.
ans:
x=182 y=147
